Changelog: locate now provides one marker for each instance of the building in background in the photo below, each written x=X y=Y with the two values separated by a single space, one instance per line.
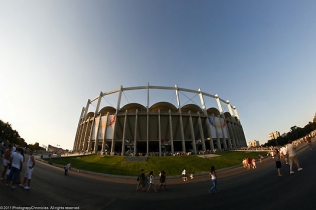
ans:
x=274 y=135
x=253 y=143
x=56 y=150
x=194 y=122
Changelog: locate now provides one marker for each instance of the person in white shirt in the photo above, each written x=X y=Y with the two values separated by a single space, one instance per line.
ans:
x=28 y=172
x=213 y=175
x=184 y=175
x=283 y=151
x=292 y=156
x=151 y=181
x=16 y=161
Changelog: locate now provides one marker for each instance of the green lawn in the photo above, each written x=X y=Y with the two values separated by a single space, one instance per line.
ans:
x=171 y=165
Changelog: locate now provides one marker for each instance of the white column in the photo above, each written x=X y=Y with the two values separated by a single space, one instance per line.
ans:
x=229 y=108
x=80 y=137
x=223 y=139
x=87 y=135
x=159 y=132
x=78 y=130
x=236 y=113
x=209 y=132
x=208 y=125
x=124 y=132
x=219 y=146
x=201 y=132
x=181 y=121
x=135 y=134
x=192 y=133
x=104 y=145
x=147 y=141
x=171 y=132
x=114 y=127
x=86 y=109
x=96 y=144
x=219 y=104
x=232 y=134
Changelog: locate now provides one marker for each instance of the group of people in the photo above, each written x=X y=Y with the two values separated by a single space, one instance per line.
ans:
x=185 y=175
x=249 y=163
x=146 y=183
x=290 y=153
x=13 y=160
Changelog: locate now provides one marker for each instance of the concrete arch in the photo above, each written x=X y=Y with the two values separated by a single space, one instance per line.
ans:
x=163 y=106
x=191 y=107
x=132 y=107
x=90 y=115
x=213 y=110
x=227 y=115
x=107 y=109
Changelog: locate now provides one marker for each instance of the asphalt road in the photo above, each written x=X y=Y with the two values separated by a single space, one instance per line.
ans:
x=239 y=188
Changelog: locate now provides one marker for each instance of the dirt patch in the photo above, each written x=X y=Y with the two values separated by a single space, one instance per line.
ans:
x=208 y=156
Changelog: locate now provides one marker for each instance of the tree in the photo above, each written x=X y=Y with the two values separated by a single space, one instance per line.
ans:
x=35 y=146
x=7 y=134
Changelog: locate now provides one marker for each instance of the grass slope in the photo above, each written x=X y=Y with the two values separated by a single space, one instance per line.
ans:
x=171 y=165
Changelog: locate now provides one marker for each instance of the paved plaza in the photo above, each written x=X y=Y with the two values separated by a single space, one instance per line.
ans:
x=239 y=188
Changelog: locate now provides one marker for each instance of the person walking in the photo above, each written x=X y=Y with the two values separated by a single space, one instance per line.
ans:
x=162 y=180
x=184 y=175
x=309 y=142
x=66 y=169
x=6 y=161
x=151 y=181
x=253 y=161
x=283 y=151
x=292 y=157
x=16 y=161
x=277 y=161
x=141 y=180
x=213 y=175
x=28 y=171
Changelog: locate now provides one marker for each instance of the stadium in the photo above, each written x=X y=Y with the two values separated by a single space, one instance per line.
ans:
x=142 y=121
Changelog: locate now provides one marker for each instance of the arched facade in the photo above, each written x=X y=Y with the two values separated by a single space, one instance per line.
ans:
x=161 y=128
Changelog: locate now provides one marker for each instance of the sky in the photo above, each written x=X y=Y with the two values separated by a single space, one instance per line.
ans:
x=55 y=55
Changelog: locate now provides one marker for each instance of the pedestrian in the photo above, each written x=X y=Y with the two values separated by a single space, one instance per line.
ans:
x=184 y=175
x=292 y=157
x=277 y=161
x=69 y=166
x=19 y=179
x=244 y=163
x=162 y=180
x=6 y=160
x=16 y=161
x=66 y=169
x=213 y=175
x=28 y=171
x=141 y=180
x=248 y=163
x=309 y=142
x=253 y=163
x=151 y=181
x=283 y=152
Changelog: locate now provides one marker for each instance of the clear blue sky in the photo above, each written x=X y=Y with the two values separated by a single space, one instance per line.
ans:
x=55 y=55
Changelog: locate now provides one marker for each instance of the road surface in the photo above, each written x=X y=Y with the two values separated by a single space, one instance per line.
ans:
x=239 y=188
